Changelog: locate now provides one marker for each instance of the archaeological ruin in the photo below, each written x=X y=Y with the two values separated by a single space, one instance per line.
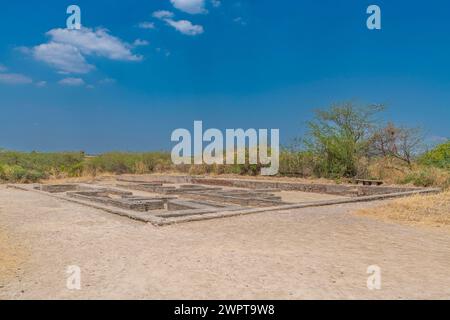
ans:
x=165 y=200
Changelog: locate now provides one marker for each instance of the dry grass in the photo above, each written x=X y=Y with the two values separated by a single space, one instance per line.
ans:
x=422 y=210
x=83 y=179
x=394 y=171
x=10 y=257
x=387 y=169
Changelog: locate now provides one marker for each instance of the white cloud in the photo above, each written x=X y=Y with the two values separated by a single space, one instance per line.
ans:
x=140 y=43
x=98 y=42
x=185 y=27
x=72 y=82
x=146 y=25
x=14 y=78
x=216 y=3
x=67 y=49
x=64 y=57
x=163 y=14
x=190 y=6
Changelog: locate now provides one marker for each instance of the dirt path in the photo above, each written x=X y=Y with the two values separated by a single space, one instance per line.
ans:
x=308 y=253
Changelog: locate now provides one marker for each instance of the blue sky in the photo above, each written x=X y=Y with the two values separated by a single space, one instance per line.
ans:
x=132 y=76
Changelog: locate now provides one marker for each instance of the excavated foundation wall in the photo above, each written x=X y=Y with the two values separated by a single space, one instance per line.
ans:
x=342 y=190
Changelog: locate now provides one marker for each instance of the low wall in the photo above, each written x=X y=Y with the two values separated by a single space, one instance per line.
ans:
x=334 y=189
x=154 y=178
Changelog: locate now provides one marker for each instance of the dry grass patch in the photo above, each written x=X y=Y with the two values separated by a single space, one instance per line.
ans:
x=393 y=171
x=11 y=257
x=424 y=210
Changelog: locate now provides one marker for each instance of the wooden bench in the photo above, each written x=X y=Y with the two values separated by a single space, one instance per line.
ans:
x=368 y=182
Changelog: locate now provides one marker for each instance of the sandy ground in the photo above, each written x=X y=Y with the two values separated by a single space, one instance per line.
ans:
x=303 y=254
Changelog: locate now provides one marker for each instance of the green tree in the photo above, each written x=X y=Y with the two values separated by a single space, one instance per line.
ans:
x=437 y=157
x=339 y=136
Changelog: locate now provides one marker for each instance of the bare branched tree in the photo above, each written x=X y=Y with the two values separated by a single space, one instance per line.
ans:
x=399 y=142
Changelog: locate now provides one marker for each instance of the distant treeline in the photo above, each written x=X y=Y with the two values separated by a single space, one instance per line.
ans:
x=343 y=142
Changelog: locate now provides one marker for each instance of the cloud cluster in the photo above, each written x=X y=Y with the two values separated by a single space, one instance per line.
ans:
x=67 y=50
x=163 y=14
x=63 y=57
x=184 y=26
x=98 y=42
x=190 y=6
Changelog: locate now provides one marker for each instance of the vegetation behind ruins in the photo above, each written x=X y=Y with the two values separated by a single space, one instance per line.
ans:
x=343 y=142
x=34 y=166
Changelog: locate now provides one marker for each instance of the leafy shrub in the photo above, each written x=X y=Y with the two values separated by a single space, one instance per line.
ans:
x=428 y=177
x=17 y=173
x=299 y=163
x=40 y=163
x=132 y=163
x=34 y=176
x=2 y=173
x=438 y=157
x=419 y=179
x=33 y=166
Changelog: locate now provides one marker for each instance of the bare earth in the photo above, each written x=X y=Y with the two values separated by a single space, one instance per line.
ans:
x=303 y=254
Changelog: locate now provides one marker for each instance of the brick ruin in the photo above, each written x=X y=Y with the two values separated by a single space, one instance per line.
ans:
x=163 y=200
